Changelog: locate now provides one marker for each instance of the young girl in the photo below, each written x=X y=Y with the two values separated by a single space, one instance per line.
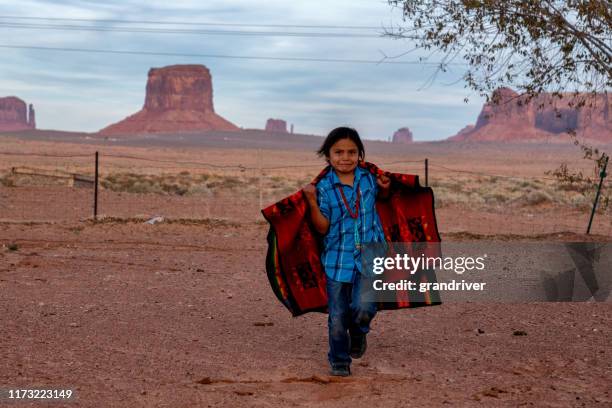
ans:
x=342 y=208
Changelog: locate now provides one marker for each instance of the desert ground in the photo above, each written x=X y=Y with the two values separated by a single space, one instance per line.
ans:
x=179 y=313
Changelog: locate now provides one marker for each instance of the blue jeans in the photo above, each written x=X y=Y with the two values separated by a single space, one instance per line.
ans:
x=349 y=314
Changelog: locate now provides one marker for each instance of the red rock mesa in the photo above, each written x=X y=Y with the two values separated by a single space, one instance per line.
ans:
x=402 y=135
x=16 y=115
x=179 y=98
x=276 y=125
x=509 y=117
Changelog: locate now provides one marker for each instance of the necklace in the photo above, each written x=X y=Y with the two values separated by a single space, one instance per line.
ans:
x=346 y=204
x=353 y=215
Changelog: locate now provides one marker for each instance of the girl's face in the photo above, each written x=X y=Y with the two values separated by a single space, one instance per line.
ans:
x=343 y=156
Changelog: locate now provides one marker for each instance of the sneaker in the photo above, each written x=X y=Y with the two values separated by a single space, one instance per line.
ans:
x=359 y=344
x=341 y=371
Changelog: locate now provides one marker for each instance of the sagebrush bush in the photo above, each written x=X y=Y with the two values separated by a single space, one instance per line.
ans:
x=537 y=197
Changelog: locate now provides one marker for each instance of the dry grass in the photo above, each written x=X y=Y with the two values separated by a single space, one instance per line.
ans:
x=10 y=179
x=513 y=192
x=185 y=183
x=474 y=191
x=457 y=172
x=179 y=184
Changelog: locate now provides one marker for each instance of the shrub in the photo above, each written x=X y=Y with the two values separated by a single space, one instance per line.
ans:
x=537 y=197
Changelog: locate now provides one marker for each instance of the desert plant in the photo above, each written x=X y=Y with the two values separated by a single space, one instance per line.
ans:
x=6 y=180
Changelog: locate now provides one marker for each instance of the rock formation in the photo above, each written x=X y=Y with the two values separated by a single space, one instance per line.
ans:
x=463 y=133
x=510 y=117
x=178 y=98
x=402 y=135
x=14 y=115
x=31 y=117
x=276 y=125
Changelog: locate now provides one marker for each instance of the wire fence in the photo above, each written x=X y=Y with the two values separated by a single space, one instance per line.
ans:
x=61 y=189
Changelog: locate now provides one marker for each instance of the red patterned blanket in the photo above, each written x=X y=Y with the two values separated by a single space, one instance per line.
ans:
x=293 y=261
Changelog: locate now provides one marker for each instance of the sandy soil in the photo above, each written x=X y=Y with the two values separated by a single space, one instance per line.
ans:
x=180 y=314
x=171 y=315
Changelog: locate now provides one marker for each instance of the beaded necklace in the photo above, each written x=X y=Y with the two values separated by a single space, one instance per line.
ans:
x=353 y=215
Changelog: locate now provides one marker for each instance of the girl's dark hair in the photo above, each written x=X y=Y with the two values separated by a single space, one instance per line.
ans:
x=338 y=134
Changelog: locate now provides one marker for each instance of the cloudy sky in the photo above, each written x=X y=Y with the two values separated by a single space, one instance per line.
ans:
x=85 y=91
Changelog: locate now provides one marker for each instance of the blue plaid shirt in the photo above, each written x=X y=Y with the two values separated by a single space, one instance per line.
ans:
x=341 y=257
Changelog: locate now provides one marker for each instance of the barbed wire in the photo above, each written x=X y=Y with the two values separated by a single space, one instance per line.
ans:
x=522 y=225
x=197 y=163
x=241 y=167
x=492 y=175
x=45 y=155
x=238 y=166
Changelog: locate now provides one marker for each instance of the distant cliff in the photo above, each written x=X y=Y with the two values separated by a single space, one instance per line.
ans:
x=178 y=98
x=509 y=117
x=276 y=125
x=16 y=115
x=402 y=135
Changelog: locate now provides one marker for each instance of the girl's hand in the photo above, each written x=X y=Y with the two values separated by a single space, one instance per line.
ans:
x=310 y=191
x=383 y=181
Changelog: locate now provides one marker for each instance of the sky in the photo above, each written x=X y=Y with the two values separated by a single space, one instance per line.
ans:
x=86 y=91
